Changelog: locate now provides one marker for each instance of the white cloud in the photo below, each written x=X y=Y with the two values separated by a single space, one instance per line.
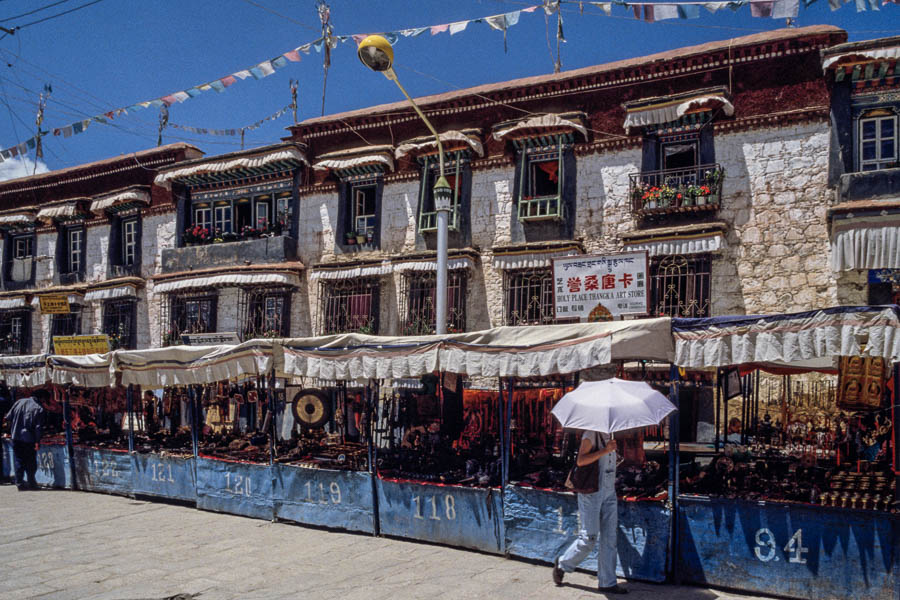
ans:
x=21 y=166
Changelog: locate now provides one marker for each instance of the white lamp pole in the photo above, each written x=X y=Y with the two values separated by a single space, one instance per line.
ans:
x=376 y=53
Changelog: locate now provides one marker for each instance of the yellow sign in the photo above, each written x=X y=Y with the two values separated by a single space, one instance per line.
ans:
x=54 y=305
x=79 y=345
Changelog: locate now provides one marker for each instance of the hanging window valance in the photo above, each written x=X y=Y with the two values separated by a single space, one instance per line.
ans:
x=237 y=165
x=542 y=125
x=512 y=258
x=449 y=139
x=17 y=219
x=670 y=109
x=68 y=210
x=210 y=280
x=111 y=293
x=137 y=195
x=865 y=242
x=357 y=161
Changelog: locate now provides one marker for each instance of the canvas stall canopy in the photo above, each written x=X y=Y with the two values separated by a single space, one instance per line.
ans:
x=189 y=365
x=90 y=370
x=524 y=351
x=24 y=371
x=813 y=340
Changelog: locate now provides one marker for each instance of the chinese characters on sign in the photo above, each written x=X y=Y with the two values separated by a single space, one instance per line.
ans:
x=600 y=288
x=79 y=345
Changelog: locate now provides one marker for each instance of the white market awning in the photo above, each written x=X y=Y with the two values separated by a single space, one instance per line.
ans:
x=13 y=302
x=874 y=54
x=24 y=371
x=453 y=264
x=529 y=259
x=90 y=370
x=542 y=124
x=525 y=351
x=869 y=242
x=227 y=280
x=121 y=291
x=287 y=155
x=672 y=110
x=189 y=365
x=814 y=339
x=428 y=143
x=129 y=196
x=700 y=244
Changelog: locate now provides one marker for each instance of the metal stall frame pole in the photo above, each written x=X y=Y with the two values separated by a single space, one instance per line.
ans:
x=196 y=411
x=501 y=422
x=674 y=424
x=70 y=444
x=372 y=409
x=509 y=442
x=270 y=395
x=129 y=407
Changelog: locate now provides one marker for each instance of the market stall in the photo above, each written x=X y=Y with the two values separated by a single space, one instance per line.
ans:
x=22 y=374
x=209 y=386
x=801 y=501
x=100 y=445
x=322 y=456
x=540 y=516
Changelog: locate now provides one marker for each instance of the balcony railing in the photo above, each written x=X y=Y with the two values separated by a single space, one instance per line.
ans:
x=428 y=220
x=543 y=208
x=676 y=190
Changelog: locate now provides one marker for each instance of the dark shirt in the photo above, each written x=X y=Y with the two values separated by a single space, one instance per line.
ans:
x=25 y=420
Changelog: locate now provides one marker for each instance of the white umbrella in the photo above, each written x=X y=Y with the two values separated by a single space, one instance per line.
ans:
x=612 y=405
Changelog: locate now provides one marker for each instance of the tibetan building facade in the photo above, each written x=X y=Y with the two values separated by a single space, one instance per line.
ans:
x=744 y=168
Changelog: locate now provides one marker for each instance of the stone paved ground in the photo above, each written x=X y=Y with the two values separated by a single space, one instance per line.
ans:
x=77 y=545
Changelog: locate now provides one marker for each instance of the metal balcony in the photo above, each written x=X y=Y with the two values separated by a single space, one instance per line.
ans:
x=697 y=189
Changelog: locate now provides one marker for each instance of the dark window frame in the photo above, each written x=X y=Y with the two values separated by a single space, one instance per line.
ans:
x=337 y=313
x=680 y=285
x=64 y=255
x=253 y=313
x=116 y=258
x=9 y=259
x=14 y=342
x=528 y=297
x=347 y=213
x=177 y=318
x=119 y=322
x=418 y=298
x=862 y=112
x=560 y=206
x=67 y=324
x=279 y=203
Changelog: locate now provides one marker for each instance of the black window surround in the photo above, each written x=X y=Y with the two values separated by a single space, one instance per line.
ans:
x=71 y=253
x=359 y=211
x=65 y=324
x=18 y=260
x=545 y=179
x=120 y=323
x=15 y=332
x=680 y=285
x=233 y=214
x=189 y=312
x=125 y=237
x=418 y=301
x=876 y=139
x=265 y=313
x=349 y=305
x=528 y=297
x=458 y=172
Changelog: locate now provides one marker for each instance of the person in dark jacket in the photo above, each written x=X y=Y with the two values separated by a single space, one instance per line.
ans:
x=6 y=402
x=25 y=420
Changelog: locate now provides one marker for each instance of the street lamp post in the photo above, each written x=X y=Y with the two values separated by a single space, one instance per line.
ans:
x=376 y=53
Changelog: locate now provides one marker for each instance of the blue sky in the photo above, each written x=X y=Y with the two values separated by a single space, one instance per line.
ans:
x=116 y=53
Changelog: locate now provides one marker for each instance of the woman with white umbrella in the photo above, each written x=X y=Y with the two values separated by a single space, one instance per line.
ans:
x=600 y=408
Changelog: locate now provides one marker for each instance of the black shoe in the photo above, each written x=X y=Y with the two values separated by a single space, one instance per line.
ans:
x=613 y=589
x=558 y=573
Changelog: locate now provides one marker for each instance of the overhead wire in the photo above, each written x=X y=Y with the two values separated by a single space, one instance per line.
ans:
x=66 y=12
x=287 y=18
x=31 y=12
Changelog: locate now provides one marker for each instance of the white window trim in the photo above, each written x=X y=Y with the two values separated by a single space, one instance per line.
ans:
x=878 y=161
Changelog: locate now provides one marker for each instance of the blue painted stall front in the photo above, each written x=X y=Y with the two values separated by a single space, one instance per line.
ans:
x=164 y=476
x=789 y=550
x=453 y=515
x=99 y=470
x=338 y=499
x=53 y=466
x=235 y=488
x=541 y=523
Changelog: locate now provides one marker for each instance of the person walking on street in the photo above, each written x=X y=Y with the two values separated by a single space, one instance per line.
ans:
x=6 y=403
x=599 y=516
x=25 y=420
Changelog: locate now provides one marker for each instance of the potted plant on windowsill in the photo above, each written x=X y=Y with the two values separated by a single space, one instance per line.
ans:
x=367 y=329
x=350 y=238
x=360 y=238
